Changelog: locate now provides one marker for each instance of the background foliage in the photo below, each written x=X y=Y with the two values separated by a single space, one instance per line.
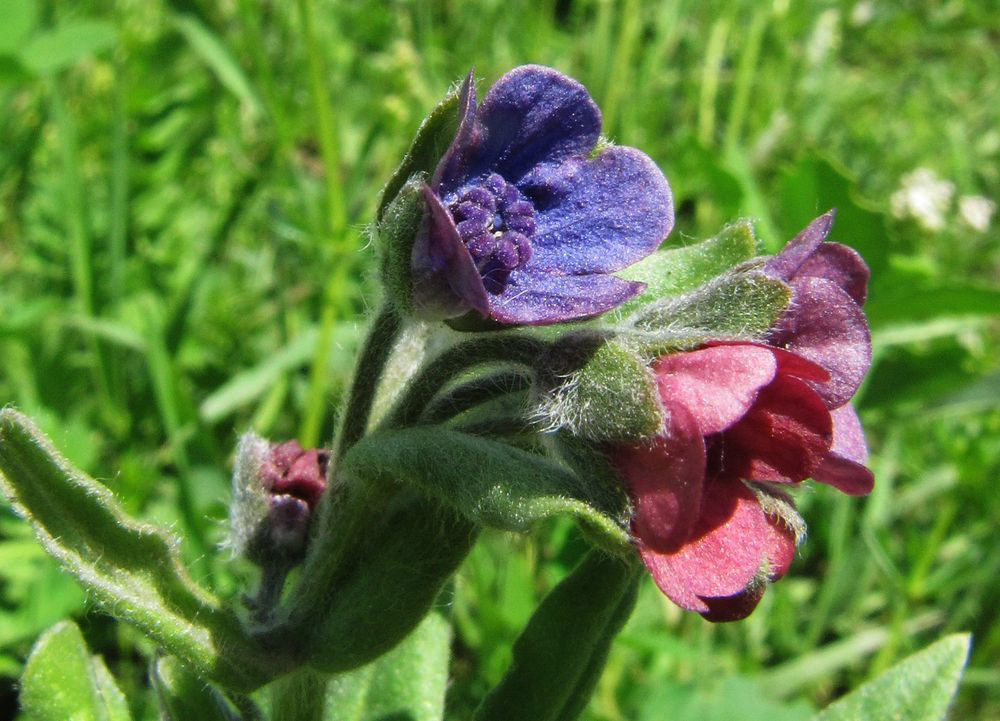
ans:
x=184 y=187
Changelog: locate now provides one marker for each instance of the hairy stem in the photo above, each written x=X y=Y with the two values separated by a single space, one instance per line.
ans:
x=466 y=396
x=498 y=348
x=367 y=373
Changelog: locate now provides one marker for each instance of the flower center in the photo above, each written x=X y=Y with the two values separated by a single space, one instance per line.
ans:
x=496 y=224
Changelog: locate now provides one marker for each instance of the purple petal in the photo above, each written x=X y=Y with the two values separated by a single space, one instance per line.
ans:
x=541 y=298
x=454 y=163
x=446 y=282
x=664 y=479
x=616 y=211
x=798 y=250
x=824 y=324
x=842 y=266
x=843 y=468
x=532 y=116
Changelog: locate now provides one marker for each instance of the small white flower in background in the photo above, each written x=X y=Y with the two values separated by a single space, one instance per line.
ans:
x=976 y=211
x=825 y=36
x=862 y=13
x=923 y=196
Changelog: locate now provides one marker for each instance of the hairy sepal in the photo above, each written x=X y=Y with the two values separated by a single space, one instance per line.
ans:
x=739 y=305
x=674 y=271
x=130 y=568
x=430 y=143
x=610 y=397
x=395 y=234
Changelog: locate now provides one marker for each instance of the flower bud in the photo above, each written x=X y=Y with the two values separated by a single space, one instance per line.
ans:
x=276 y=486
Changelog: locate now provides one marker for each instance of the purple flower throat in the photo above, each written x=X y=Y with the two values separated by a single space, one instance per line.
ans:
x=495 y=222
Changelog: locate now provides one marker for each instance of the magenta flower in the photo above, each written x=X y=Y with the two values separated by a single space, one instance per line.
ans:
x=524 y=226
x=738 y=415
x=294 y=479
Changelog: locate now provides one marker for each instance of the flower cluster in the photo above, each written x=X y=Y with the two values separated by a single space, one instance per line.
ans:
x=740 y=420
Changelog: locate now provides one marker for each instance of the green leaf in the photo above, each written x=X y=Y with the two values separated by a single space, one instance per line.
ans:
x=182 y=695
x=902 y=299
x=680 y=270
x=389 y=583
x=130 y=568
x=919 y=688
x=559 y=656
x=214 y=53
x=407 y=684
x=61 y=681
x=17 y=20
x=53 y=50
x=741 y=305
x=111 y=696
x=489 y=482
x=430 y=143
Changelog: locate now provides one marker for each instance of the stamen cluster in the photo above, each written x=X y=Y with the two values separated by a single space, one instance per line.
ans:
x=496 y=223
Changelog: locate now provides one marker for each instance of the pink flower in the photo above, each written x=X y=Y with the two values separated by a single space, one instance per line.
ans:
x=738 y=415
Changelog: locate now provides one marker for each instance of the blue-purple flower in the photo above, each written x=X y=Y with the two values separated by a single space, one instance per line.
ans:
x=525 y=226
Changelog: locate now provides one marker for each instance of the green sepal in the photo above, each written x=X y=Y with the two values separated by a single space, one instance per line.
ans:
x=559 y=656
x=389 y=583
x=674 y=271
x=740 y=305
x=395 y=234
x=919 y=688
x=132 y=569
x=182 y=695
x=407 y=683
x=61 y=681
x=430 y=143
x=610 y=397
x=489 y=482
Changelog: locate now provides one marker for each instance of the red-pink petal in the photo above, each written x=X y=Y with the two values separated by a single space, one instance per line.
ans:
x=729 y=545
x=664 y=479
x=783 y=438
x=717 y=384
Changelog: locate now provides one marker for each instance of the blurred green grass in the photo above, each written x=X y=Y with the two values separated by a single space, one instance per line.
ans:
x=184 y=188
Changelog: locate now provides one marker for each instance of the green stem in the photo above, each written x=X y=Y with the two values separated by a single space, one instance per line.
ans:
x=466 y=396
x=367 y=373
x=496 y=348
x=299 y=696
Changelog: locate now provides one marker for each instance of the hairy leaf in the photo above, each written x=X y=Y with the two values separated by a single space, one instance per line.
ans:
x=130 y=568
x=407 y=684
x=61 y=681
x=559 y=656
x=919 y=688
x=489 y=482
